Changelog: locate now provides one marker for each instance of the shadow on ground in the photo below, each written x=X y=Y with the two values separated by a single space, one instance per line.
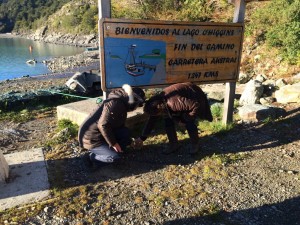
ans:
x=73 y=172
x=282 y=213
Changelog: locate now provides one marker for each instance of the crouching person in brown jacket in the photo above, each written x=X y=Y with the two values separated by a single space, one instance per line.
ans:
x=104 y=133
x=182 y=103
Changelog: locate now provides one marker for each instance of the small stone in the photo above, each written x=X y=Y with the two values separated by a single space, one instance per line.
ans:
x=108 y=213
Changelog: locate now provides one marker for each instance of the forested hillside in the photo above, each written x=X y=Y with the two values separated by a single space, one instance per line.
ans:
x=272 y=27
x=19 y=14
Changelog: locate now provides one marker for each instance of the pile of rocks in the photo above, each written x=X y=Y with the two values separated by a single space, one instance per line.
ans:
x=84 y=61
x=260 y=96
x=63 y=39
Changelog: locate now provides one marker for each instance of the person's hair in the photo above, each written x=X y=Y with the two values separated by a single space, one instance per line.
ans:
x=139 y=95
x=153 y=105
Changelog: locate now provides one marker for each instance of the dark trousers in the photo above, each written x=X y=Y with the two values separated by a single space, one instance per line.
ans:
x=105 y=153
x=190 y=126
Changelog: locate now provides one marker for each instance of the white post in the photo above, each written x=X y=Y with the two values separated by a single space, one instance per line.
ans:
x=239 y=16
x=104 y=11
x=4 y=170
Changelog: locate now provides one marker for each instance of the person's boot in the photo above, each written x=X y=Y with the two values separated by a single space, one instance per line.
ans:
x=195 y=145
x=87 y=160
x=90 y=162
x=173 y=141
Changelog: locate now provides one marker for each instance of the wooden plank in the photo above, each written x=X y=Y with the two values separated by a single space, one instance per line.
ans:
x=239 y=16
x=153 y=53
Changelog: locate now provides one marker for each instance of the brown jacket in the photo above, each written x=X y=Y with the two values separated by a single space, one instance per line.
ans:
x=184 y=101
x=188 y=99
x=98 y=128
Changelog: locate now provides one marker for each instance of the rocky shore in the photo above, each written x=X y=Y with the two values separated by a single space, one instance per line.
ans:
x=88 y=60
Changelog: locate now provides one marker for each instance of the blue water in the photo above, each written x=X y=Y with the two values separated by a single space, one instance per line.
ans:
x=14 y=52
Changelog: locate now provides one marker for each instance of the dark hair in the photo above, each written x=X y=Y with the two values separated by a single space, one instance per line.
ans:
x=139 y=96
x=153 y=104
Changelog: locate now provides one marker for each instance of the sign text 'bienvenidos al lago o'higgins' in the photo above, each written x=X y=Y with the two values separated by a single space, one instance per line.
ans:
x=152 y=53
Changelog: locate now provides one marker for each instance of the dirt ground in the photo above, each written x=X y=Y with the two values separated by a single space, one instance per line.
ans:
x=247 y=176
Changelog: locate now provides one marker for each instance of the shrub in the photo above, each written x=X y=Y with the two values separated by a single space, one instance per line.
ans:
x=282 y=32
x=72 y=128
x=184 y=10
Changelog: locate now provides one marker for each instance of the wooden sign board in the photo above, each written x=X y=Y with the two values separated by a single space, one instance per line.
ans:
x=152 y=53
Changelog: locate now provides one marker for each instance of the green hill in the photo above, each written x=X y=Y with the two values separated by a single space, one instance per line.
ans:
x=22 y=14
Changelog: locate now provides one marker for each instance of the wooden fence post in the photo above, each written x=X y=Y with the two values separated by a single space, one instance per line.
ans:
x=239 y=16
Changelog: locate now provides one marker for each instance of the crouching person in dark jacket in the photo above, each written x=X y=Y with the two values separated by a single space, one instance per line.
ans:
x=104 y=133
x=182 y=103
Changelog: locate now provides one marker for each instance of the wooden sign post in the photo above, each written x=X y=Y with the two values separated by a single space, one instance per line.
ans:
x=239 y=15
x=104 y=11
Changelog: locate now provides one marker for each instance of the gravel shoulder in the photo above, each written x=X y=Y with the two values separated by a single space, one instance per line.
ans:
x=247 y=176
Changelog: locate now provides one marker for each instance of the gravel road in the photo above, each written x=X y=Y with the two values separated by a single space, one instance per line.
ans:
x=247 y=176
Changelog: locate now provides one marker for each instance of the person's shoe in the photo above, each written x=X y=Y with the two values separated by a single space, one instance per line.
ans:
x=173 y=147
x=91 y=163
x=87 y=160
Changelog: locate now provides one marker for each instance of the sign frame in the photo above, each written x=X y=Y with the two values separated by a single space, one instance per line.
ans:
x=220 y=32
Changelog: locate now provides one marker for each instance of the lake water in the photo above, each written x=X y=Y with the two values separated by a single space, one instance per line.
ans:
x=15 y=52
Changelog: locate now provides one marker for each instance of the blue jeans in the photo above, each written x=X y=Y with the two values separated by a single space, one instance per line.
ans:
x=105 y=153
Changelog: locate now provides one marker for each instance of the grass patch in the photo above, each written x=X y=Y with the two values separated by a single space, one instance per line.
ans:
x=215 y=127
x=217 y=111
x=66 y=130
x=27 y=114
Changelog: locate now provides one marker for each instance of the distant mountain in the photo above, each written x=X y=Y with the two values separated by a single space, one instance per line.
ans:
x=22 y=14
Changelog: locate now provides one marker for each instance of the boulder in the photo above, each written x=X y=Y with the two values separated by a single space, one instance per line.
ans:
x=257 y=112
x=244 y=78
x=288 y=94
x=252 y=93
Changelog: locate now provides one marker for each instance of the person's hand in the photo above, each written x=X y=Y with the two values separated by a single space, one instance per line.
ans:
x=137 y=143
x=117 y=148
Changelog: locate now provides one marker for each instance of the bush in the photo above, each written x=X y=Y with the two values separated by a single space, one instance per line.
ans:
x=183 y=10
x=72 y=128
x=282 y=32
x=89 y=20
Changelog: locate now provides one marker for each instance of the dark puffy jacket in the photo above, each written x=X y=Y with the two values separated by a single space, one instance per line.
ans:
x=187 y=99
x=98 y=128
x=184 y=101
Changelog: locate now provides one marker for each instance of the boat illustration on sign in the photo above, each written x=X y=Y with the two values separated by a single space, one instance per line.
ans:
x=134 y=68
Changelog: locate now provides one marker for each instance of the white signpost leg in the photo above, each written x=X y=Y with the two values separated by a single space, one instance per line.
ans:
x=4 y=169
x=239 y=16
x=104 y=11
